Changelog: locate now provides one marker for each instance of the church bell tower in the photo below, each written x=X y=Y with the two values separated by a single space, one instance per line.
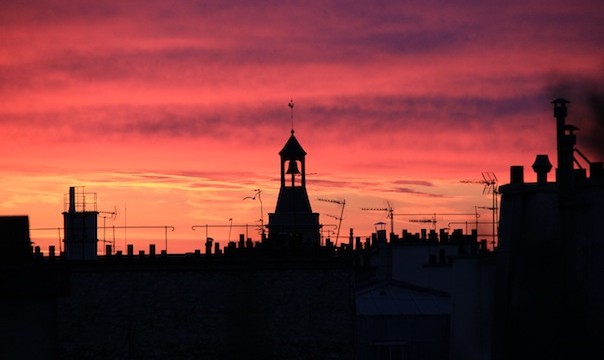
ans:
x=293 y=223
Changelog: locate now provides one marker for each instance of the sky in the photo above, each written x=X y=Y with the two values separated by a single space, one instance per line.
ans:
x=173 y=112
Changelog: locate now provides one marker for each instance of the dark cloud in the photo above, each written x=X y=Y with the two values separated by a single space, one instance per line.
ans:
x=46 y=12
x=432 y=110
x=586 y=109
x=595 y=104
x=414 y=182
x=231 y=180
x=378 y=186
x=353 y=118
x=404 y=190
x=218 y=43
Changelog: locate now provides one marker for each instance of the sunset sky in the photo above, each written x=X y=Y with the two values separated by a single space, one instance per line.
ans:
x=173 y=111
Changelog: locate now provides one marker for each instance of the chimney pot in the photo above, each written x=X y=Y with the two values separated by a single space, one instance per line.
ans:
x=542 y=166
x=560 y=107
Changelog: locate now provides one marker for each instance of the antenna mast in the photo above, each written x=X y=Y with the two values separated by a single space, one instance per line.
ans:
x=489 y=179
x=342 y=203
x=291 y=107
x=389 y=215
x=257 y=194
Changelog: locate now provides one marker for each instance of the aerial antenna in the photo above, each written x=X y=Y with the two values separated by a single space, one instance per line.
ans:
x=257 y=194
x=342 y=203
x=433 y=221
x=113 y=216
x=390 y=214
x=291 y=107
x=230 y=228
x=489 y=179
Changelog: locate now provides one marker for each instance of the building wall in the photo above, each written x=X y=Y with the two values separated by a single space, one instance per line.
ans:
x=549 y=294
x=530 y=273
x=472 y=298
x=226 y=310
x=403 y=337
x=28 y=292
x=27 y=327
x=411 y=264
x=589 y=237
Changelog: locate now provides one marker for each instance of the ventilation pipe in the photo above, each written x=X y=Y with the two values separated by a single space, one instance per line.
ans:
x=542 y=166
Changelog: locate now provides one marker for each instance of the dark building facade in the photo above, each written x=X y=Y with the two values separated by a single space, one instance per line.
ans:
x=242 y=304
x=550 y=261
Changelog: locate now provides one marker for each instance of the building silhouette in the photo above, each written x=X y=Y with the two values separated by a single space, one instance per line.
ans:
x=550 y=270
x=80 y=226
x=538 y=295
x=293 y=224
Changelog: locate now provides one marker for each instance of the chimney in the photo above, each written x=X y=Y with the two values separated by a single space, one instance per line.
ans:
x=80 y=228
x=565 y=145
x=542 y=166
x=381 y=236
x=560 y=113
x=71 y=199
x=517 y=174
x=209 y=242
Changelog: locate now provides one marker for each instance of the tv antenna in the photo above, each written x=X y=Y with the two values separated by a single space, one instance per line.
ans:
x=432 y=220
x=342 y=203
x=113 y=216
x=489 y=179
x=390 y=214
x=257 y=193
x=433 y=217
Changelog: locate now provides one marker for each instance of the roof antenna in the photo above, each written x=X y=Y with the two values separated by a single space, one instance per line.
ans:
x=291 y=106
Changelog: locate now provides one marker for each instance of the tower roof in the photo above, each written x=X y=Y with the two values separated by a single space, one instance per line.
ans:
x=292 y=149
x=560 y=101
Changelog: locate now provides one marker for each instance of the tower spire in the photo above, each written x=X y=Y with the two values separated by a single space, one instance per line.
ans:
x=291 y=107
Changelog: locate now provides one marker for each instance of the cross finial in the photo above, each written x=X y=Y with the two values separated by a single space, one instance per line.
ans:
x=291 y=107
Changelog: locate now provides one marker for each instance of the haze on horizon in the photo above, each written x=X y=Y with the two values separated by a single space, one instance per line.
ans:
x=173 y=113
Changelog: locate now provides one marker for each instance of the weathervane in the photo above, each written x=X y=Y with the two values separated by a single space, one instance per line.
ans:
x=291 y=106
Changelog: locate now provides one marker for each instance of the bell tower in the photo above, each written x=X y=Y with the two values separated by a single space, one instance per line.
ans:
x=293 y=223
x=292 y=157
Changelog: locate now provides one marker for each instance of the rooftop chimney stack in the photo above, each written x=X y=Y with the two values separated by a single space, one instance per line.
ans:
x=565 y=145
x=517 y=174
x=80 y=226
x=72 y=199
x=542 y=166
